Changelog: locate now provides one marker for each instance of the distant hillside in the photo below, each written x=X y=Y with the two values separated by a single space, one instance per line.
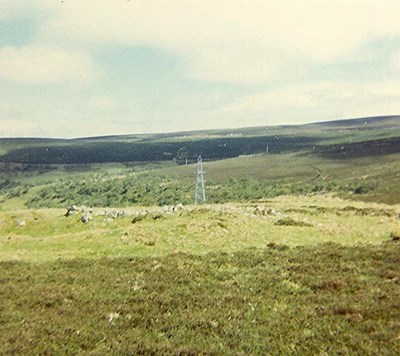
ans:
x=360 y=149
x=324 y=138
x=147 y=151
x=366 y=122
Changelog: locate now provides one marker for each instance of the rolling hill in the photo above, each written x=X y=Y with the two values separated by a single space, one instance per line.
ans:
x=327 y=138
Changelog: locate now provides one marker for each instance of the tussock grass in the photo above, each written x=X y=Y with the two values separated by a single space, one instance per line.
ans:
x=325 y=299
x=213 y=279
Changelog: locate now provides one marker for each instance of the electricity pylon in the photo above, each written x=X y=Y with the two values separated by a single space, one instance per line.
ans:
x=200 y=196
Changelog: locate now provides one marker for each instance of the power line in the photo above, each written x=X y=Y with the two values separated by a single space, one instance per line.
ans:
x=200 y=196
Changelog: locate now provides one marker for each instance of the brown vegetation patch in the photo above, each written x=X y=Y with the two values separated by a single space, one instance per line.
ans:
x=369 y=211
x=291 y=222
x=351 y=314
x=331 y=285
x=275 y=246
x=395 y=235
x=352 y=209
x=391 y=275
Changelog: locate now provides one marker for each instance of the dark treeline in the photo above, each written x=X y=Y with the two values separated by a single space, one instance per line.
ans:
x=100 y=152
x=360 y=149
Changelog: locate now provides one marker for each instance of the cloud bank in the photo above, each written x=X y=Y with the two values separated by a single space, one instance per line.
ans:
x=45 y=65
x=267 y=62
x=236 y=40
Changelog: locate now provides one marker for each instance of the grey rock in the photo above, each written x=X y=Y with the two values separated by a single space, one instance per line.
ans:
x=86 y=218
x=178 y=207
x=72 y=210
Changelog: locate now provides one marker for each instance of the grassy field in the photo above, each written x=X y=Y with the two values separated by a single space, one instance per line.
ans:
x=291 y=275
x=294 y=253
x=301 y=221
x=322 y=300
x=377 y=177
x=292 y=166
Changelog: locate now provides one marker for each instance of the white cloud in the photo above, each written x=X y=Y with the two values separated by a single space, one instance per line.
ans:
x=233 y=65
x=18 y=128
x=39 y=64
x=298 y=97
x=8 y=111
x=319 y=101
x=260 y=43
x=10 y=9
x=395 y=61
x=232 y=40
x=102 y=103
x=390 y=90
x=278 y=99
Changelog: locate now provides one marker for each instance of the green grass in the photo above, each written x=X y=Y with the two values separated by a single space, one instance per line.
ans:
x=59 y=172
x=266 y=273
x=265 y=167
x=291 y=167
x=377 y=176
x=289 y=275
x=322 y=300
x=49 y=235
x=373 y=179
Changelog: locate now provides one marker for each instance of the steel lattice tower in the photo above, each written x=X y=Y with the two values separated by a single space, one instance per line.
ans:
x=200 y=196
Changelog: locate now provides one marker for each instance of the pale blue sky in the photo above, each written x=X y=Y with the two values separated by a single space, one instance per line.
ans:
x=96 y=67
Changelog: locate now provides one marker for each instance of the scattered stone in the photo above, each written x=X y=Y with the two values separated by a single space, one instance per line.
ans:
x=272 y=212
x=86 y=210
x=260 y=210
x=112 y=317
x=112 y=214
x=74 y=209
x=21 y=223
x=71 y=210
x=173 y=209
x=178 y=207
x=168 y=209
x=86 y=218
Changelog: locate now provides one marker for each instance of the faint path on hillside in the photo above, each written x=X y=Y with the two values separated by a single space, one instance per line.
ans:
x=319 y=172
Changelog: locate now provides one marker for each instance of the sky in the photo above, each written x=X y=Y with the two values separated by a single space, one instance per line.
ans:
x=77 y=68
